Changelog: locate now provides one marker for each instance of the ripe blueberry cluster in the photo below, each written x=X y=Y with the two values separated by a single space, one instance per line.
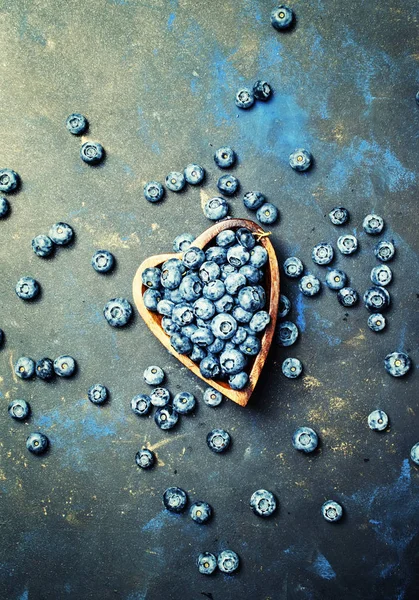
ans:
x=212 y=304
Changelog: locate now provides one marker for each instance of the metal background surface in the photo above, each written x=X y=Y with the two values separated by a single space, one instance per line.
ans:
x=156 y=80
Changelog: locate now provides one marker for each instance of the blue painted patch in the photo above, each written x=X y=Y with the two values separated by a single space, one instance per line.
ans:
x=170 y=21
x=300 y=307
x=27 y=31
x=194 y=85
x=144 y=131
x=323 y=567
x=159 y=521
x=91 y=427
x=24 y=596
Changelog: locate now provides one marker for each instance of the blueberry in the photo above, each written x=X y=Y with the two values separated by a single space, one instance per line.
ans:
x=347 y=244
x=373 y=224
x=282 y=17
x=98 y=394
x=234 y=282
x=228 y=561
x=151 y=277
x=252 y=298
x=287 y=333
x=9 y=180
x=226 y=238
x=193 y=257
x=305 y=439
x=224 y=326
x=322 y=253
x=212 y=397
x=174 y=263
x=336 y=279
x=238 y=381
x=253 y=200
x=1 y=337
x=228 y=184
x=339 y=215
x=160 y=397
x=76 y=123
x=169 y=326
x=209 y=271
x=103 y=261
x=44 y=368
x=381 y=275
x=224 y=304
x=200 y=512
x=263 y=503
x=19 y=409
x=153 y=375
x=165 y=307
x=182 y=242
x=204 y=308
x=251 y=346
x=258 y=257
x=241 y=315
x=37 y=443
x=384 y=250
x=245 y=238
x=262 y=90
x=175 y=181
x=214 y=290
x=183 y=314
x=233 y=361
x=218 y=440
x=184 y=403
x=414 y=452
x=141 y=404
x=244 y=98
x=259 y=321
x=171 y=276
x=237 y=256
x=240 y=335
x=216 y=347
x=210 y=367
x=397 y=364
x=145 y=458
x=188 y=330
x=153 y=191
x=197 y=354
x=118 y=311
x=65 y=366
x=166 y=417
x=25 y=367
x=207 y=563
x=216 y=254
x=194 y=174
x=284 y=306
x=293 y=267
x=61 y=233
x=181 y=343
x=377 y=420
x=292 y=368
x=42 y=245
x=4 y=207
x=309 y=285
x=202 y=337
x=376 y=322
x=267 y=214
x=252 y=274
x=332 y=511
x=175 y=499
x=227 y=270
x=225 y=157
x=92 y=153
x=300 y=160
x=347 y=296
x=27 y=288
x=376 y=299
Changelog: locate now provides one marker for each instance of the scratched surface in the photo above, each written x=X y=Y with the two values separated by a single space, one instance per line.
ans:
x=156 y=80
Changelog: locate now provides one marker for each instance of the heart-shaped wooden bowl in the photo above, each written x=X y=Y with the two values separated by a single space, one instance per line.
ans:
x=271 y=285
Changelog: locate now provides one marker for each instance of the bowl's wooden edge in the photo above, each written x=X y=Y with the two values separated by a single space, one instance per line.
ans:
x=241 y=397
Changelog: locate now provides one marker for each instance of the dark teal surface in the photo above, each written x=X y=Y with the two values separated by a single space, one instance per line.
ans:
x=156 y=81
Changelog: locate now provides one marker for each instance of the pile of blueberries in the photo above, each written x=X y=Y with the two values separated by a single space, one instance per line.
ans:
x=212 y=303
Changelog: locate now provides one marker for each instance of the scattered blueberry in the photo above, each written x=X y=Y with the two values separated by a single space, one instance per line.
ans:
x=347 y=244
x=175 y=181
x=44 y=369
x=160 y=397
x=293 y=267
x=332 y=511
x=42 y=245
x=414 y=452
x=207 y=563
x=253 y=200
x=200 y=512
x=27 y=288
x=216 y=209
x=9 y=180
x=184 y=403
x=19 y=409
x=61 y=233
x=373 y=224
x=322 y=253
x=286 y=333
x=76 y=123
x=282 y=17
x=166 y=417
x=212 y=397
x=141 y=404
x=309 y=285
x=397 y=364
x=263 y=503
x=25 y=367
x=377 y=299
x=153 y=191
x=153 y=375
x=118 y=311
x=284 y=306
x=65 y=366
x=37 y=443
x=339 y=215
x=336 y=279
x=381 y=275
x=305 y=439
x=244 y=98
x=175 y=499
x=292 y=368
x=262 y=90
x=182 y=242
x=98 y=394
x=378 y=420
x=300 y=160
x=347 y=296
x=228 y=561
x=376 y=322
x=225 y=157
x=145 y=458
x=103 y=261
x=384 y=250
x=4 y=207
x=267 y=214
x=218 y=440
x=92 y=153
x=194 y=174
x=228 y=185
